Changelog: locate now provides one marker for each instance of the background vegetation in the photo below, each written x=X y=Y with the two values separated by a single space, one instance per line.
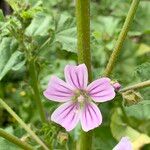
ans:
x=46 y=31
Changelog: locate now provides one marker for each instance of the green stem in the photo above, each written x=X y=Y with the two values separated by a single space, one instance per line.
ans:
x=34 y=85
x=23 y=124
x=121 y=38
x=84 y=56
x=15 y=140
x=136 y=86
x=2 y=87
x=83 y=33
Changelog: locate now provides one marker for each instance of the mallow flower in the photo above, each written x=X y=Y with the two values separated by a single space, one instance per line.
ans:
x=78 y=98
x=124 y=144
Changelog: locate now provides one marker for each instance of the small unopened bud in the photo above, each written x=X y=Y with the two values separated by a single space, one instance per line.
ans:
x=116 y=85
x=62 y=137
x=131 y=97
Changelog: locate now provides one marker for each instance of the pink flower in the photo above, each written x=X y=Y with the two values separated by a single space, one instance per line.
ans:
x=124 y=144
x=78 y=98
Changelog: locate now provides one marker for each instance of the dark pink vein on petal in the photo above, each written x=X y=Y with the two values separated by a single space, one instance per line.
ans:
x=94 y=112
x=66 y=109
x=72 y=79
x=67 y=113
x=65 y=87
x=83 y=78
x=73 y=116
x=89 y=112
x=97 y=86
x=60 y=95
x=85 y=117
x=102 y=95
x=78 y=79
x=99 y=91
x=62 y=91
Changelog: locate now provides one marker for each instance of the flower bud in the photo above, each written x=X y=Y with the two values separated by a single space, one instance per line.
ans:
x=116 y=85
x=131 y=97
x=62 y=137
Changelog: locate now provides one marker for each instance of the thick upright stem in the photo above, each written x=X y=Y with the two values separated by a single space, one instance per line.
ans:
x=84 y=56
x=136 y=86
x=15 y=140
x=23 y=124
x=121 y=38
x=36 y=92
x=83 y=33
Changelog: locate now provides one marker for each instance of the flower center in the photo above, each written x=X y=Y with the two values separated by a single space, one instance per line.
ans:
x=81 y=97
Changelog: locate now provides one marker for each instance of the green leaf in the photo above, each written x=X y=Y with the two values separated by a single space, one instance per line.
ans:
x=119 y=128
x=66 y=33
x=64 y=30
x=31 y=11
x=14 y=4
x=106 y=25
x=143 y=49
x=103 y=139
x=1 y=16
x=143 y=71
x=140 y=111
x=40 y=25
x=8 y=56
x=19 y=65
x=141 y=26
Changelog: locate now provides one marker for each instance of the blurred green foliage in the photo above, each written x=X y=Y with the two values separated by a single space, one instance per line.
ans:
x=47 y=29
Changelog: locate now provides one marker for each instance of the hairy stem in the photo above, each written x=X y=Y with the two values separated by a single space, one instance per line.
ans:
x=23 y=124
x=84 y=56
x=83 y=33
x=15 y=140
x=34 y=85
x=136 y=86
x=121 y=38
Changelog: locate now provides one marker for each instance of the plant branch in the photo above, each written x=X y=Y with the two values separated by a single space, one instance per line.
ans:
x=31 y=66
x=121 y=38
x=84 y=56
x=15 y=140
x=23 y=124
x=136 y=86
x=34 y=85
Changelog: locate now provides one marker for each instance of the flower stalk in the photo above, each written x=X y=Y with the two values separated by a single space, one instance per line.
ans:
x=34 y=85
x=23 y=124
x=84 y=56
x=15 y=140
x=136 y=86
x=83 y=34
x=121 y=38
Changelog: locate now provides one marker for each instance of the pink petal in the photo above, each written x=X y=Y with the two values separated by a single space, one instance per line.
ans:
x=90 y=117
x=58 y=90
x=66 y=115
x=76 y=76
x=124 y=144
x=101 y=90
